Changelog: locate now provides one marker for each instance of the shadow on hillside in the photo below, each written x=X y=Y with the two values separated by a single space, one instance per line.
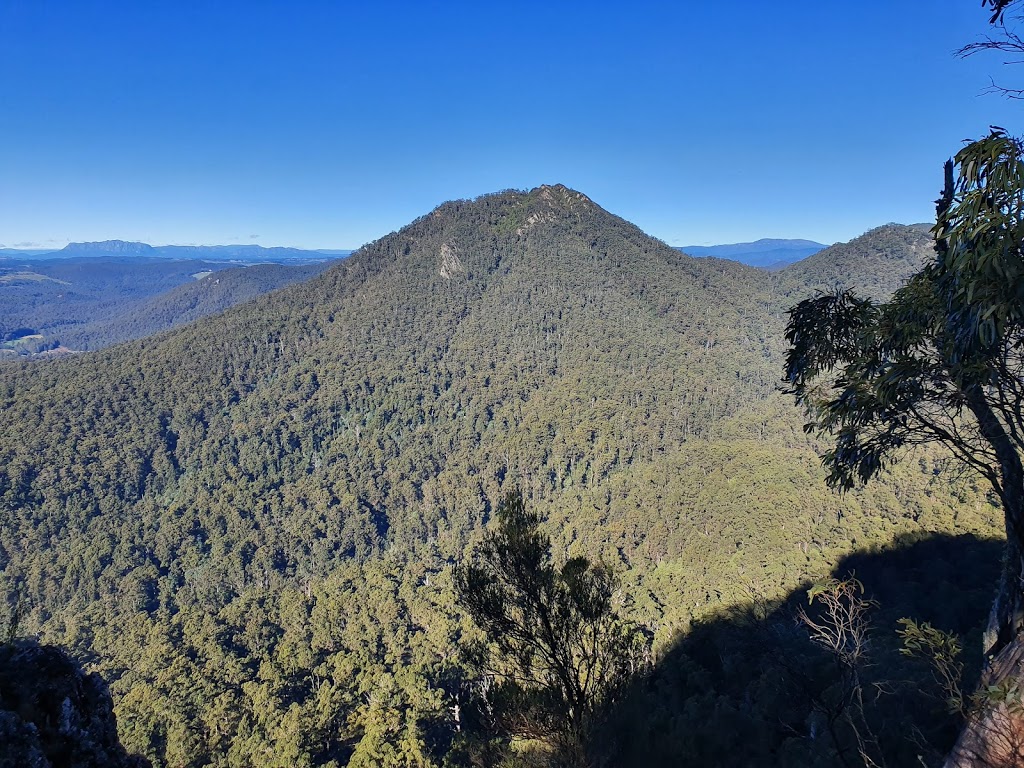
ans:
x=739 y=688
x=54 y=713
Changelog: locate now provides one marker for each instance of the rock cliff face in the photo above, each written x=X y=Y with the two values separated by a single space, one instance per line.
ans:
x=53 y=714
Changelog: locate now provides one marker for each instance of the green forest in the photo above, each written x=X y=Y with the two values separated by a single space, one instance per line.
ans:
x=256 y=528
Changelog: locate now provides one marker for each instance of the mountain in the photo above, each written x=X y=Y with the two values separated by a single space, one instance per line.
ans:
x=247 y=253
x=248 y=524
x=767 y=253
x=21 y=253
x=875 y=264
x=106 y=248
x=204 y=295
x=46 y=293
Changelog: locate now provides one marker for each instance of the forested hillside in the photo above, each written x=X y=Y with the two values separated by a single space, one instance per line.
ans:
x=874 y=264
x=207 y=295
x=248 y=525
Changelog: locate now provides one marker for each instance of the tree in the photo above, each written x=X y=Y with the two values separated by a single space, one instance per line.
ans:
x=1005 y=40
x=941 y=361
x=558 y=654
x=998 y=8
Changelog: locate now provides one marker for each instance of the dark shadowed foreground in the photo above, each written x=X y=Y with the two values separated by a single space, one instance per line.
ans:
x=54 y=714
x=750 y=688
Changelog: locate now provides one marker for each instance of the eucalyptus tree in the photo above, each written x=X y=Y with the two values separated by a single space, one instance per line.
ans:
x=941 y=361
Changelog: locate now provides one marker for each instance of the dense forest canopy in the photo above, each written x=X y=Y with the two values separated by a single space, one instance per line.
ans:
x=248 y=525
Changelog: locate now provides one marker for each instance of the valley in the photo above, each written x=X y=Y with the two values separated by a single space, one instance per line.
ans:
x=91 y=295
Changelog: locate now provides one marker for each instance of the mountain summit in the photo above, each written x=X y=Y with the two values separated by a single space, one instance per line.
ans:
x=249 y=522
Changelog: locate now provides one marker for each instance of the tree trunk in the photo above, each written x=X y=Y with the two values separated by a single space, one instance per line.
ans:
x=1007 y=617
x=993 y=736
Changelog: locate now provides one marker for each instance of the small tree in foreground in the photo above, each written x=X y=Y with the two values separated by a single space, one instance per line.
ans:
x=841 y=627
x=557 y=653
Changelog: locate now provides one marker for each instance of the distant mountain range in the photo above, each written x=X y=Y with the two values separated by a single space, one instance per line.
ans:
x=767 y=253
x=90 y=300
x=25 y=253
x=124 y=248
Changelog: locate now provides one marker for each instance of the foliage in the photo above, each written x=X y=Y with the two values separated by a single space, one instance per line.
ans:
x=749 y=686
x=842 y=630
x=998 y=8
x=15 y=610
x=981 y=266
x=942 y=650
x=941 y=361
x=561 y=654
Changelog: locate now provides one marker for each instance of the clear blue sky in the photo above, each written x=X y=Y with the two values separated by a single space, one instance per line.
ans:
x=330 y=124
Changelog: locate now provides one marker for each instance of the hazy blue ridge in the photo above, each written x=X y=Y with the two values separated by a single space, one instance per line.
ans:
x=247 y=253
x=767 y=253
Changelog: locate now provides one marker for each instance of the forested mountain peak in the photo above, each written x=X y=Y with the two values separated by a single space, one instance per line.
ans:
x=514 y=210
x=491 y=234
x=561 y=195
x=278 y=493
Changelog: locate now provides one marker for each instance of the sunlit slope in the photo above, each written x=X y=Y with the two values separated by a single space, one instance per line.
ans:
x=517 y=339
x=520 y=339
x=314 y=461
x=874 y=264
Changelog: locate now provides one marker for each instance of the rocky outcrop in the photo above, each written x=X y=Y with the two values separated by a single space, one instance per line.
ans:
x=53 y=714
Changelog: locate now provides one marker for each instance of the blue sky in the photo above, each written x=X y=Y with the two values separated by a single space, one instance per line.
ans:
x=330 y=124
